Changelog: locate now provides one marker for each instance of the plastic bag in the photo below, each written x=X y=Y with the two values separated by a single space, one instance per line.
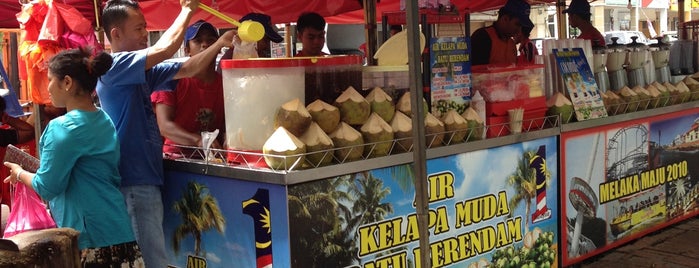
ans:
x=28 y=212
x=244 y=49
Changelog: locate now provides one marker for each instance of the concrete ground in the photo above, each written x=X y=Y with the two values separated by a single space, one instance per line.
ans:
x=672 y=247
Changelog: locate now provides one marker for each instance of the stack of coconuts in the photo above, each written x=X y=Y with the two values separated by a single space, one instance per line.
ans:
x=355 y=128
x=634 y=99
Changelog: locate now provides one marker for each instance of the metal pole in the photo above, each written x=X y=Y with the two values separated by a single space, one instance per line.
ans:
x=680 y=11
x=561 y=18
x=419 y=161
x=370 y=30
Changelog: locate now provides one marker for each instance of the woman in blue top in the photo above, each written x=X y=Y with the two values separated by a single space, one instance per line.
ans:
x=79 y=170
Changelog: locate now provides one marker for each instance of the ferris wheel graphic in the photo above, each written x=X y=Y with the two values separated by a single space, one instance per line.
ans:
x=627 y=152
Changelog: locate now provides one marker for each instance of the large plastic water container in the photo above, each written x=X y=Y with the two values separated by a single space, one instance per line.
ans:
x=253 y=90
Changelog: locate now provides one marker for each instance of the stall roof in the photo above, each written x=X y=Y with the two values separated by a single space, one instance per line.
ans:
x=161 y=13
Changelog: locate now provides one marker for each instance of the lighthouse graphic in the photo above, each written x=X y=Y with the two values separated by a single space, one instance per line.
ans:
x=538 y=163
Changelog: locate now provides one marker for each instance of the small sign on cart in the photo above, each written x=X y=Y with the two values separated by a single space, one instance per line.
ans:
x=580 y=82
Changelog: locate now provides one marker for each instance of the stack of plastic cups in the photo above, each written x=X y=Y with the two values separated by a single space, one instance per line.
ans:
x=550 y=68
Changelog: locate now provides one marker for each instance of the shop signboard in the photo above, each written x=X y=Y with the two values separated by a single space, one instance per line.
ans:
x=221 y=222
x=580 y=83
x=450 y=74
x=624 y=180
x=622 y=3
x=495 y=207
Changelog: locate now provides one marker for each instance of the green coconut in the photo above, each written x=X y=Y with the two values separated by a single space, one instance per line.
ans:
x=326 y=115
x=685 y=94
x=348 y=142
x=293 y=116
x=630 y=98
x=283 y=150
x=378 y=135
x=403 y=105
x=611 y=102
x=318 y=145
x=456 y=127
x=434 y=131
x=664 y=98
x=402 y=127
x=674 y=93
x=381 y=104
x=643 y=97
x=693 y=86
x=476 y=125
x=558 y=104
x=654 y=96
x=354 y=109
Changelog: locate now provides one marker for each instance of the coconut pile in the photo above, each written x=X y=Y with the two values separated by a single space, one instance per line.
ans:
x=354 y=127
x=654 y=95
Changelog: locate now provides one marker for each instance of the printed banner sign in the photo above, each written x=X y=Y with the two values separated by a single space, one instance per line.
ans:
x=626 y=180
x=450 y=78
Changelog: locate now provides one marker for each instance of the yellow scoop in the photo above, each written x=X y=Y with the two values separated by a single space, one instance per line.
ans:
x=249 y=30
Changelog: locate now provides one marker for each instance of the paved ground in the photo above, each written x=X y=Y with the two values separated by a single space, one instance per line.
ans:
x=676 y=246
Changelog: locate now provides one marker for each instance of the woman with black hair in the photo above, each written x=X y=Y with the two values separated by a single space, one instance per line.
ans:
x=79 y=170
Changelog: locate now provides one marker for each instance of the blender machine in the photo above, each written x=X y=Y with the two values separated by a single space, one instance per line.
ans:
x=599 y=63
x=616 y=56
x=661 y=60
x=638 y=56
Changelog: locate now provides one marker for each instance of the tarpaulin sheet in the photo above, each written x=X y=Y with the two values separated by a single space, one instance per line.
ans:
x=161 y=13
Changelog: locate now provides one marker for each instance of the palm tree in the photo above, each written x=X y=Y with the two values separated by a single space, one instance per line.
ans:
x=317 y=212
x=369 y=192
x=199 y=212
x=524 y=182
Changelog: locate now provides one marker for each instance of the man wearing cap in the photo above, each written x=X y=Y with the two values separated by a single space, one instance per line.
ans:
x=124 y=92
x=579 y=17
x=494 y=44
x=263 y=46
x=271 y=34
x=196 y=104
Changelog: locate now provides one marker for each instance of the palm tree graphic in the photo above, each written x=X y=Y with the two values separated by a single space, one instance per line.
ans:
x=199 y=212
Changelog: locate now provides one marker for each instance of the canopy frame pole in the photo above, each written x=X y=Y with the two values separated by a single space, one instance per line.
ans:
x=419 y=156
x=561 y=19
x=370 y=31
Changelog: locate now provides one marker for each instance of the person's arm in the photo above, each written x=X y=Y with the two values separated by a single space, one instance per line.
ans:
x=480 y=47
x=531 y=51
x=18 y=174
x=172 y=38
x=201 y=61
x=165 y=115
x=25 y=131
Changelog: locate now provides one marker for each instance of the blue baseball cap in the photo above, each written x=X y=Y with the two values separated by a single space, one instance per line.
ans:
x=580 y=7
x=194 y=29
x=519 y=9
x=266 y=21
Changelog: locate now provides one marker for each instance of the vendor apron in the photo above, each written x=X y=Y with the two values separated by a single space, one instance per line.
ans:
x=501 y=52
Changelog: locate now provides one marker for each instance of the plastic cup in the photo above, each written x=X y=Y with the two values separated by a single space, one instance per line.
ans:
x=516 y=116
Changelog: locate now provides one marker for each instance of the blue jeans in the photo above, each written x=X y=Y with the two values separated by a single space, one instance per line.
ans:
x=145 y=206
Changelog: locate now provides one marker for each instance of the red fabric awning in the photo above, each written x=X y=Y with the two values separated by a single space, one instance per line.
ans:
x=464 y=6
x=161 y=13
x=280 y=11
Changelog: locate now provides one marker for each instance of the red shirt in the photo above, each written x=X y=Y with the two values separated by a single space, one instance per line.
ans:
x=198 y=106
x=501 y=51
x=593 y=36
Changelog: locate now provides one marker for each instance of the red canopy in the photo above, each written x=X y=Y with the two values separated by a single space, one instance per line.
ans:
x=280 y=11
x=357 y=16
x=160 y=13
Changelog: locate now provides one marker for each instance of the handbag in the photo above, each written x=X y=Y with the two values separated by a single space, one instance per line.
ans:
x=27 y=213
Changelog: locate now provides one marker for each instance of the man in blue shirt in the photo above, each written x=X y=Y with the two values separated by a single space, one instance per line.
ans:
x=124 y=93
